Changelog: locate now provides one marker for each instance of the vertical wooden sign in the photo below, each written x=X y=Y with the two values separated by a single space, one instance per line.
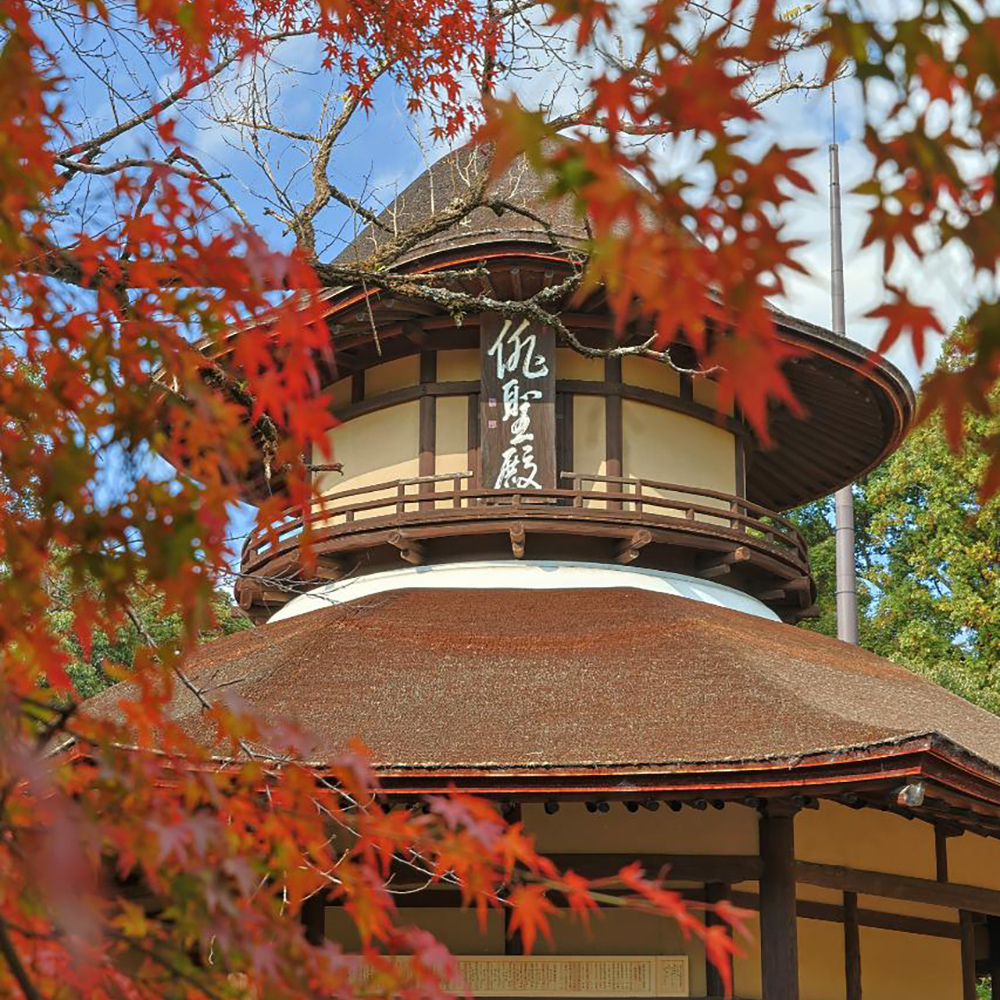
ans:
x=517 y=417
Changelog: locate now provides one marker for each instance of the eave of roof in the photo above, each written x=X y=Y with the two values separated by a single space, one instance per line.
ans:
x=598 y=689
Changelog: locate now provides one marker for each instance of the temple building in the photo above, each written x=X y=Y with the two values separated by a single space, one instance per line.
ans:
x=566 y=583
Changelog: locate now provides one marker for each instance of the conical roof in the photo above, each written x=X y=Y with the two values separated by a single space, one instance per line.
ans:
x=448 y=182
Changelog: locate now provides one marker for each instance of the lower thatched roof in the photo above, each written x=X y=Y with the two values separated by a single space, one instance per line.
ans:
x=615 y=682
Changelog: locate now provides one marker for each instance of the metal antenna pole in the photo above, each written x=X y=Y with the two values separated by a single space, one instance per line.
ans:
x=847 y=582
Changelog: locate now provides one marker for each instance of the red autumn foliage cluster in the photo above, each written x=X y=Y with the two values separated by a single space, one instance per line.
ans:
x=134 y=863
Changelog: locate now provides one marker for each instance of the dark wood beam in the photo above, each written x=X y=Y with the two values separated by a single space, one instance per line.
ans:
x=993 y=931
x=727 y=868
x=313 y=916
x=852 y=946
x=415 y=334
x=805 y=909
x=914 y=890
x=968 y=955
x=778 y=928
x=715 y=892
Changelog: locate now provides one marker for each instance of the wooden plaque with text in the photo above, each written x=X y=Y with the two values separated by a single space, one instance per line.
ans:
x=624 y=976
x=517 y=417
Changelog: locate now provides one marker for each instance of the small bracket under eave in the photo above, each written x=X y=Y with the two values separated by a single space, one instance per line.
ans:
x=628 y=550
x=723 y=564
x=410 y=550
x=517 y=539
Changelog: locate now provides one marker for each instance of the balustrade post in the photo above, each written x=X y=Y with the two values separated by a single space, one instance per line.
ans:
x=457 y=484
x=400 y=502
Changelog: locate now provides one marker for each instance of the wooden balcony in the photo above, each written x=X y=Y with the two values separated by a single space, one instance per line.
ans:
x=447 y=518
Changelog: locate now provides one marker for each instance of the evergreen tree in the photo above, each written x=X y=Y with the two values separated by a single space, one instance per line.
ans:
x=928 y=556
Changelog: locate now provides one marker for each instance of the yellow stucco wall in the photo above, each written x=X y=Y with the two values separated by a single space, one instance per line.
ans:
x=746 y=964
x=460 y=365
x=392 y=375
x=974 y=860
x=458 y=929
x=649 y=374
x=821 y=960
x=574 y=830
x=705 y=391
x=670 y=447
x=374 y=448
x=340 y=392
x=570 y=364
x=589 y=442
x=451 y=445
x=865 y=838
x=897 y=966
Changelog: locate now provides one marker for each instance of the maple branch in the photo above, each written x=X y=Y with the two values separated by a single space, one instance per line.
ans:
x=16 y=966
x=196 y=172
x=323 y=188
x=140 y=627
x=160 y=106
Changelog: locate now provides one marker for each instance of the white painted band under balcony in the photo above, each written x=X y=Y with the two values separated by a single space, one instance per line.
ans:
x=523 y=575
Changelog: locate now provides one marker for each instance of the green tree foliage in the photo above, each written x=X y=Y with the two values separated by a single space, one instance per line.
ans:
x=94 y=669
x=928 y=556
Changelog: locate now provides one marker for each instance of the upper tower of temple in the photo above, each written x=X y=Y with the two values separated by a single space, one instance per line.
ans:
x=482 y=437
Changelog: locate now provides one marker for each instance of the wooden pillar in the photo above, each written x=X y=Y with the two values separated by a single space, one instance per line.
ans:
x=968 y=932
x=428 y=424
x=512 y=942
x=941 y=854
x=564 y=437
x=993 y=929
x=473 y=446
x=779 y=951
x=852 y=946
x=313 y=916
x=715 y=892
x=614 y=440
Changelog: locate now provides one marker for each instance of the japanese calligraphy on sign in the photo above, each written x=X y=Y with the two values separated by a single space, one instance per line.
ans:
x=517 y=418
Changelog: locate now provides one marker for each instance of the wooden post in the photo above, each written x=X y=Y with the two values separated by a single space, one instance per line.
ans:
x=852 y=946
x=715 y=892
x=428 y=426
x=941 y=854
x=968 y=932
x=512 y=942
x=313 y=916
x=472 y=459
x=779 y=952
x=993 y=928
x=613 y=427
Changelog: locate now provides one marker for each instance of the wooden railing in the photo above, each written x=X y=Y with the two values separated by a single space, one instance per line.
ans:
x=586 y=498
